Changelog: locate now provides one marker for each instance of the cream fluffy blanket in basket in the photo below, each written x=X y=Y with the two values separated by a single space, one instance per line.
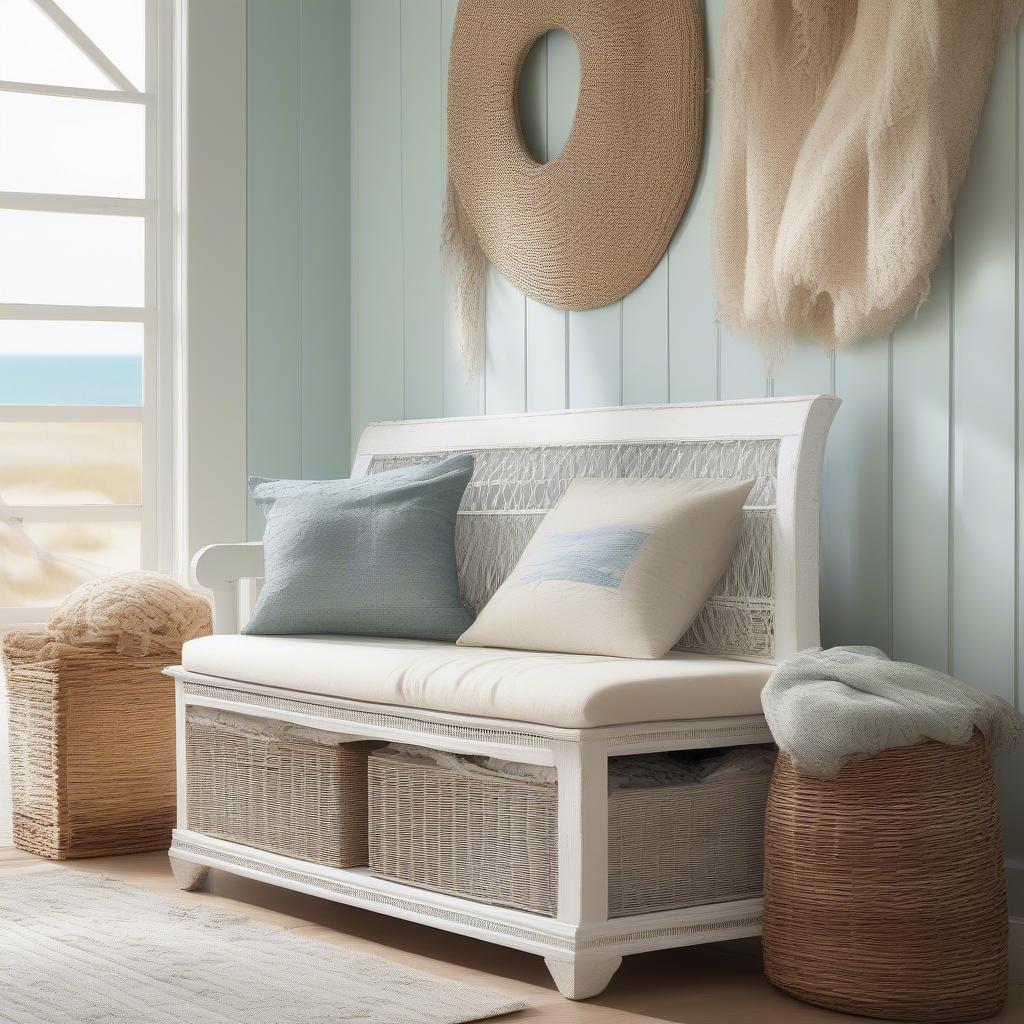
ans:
x=846 y=129
x=826 y=706
x=134 y=613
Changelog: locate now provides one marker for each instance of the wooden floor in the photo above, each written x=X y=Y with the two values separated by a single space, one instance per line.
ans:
x=720 y=984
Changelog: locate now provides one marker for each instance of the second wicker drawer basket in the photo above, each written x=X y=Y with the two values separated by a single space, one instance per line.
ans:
x=681 y=833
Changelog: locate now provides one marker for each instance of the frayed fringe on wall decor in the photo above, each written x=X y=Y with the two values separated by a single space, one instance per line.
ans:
x=586 y=228
x=846 y=129
x=465 y=267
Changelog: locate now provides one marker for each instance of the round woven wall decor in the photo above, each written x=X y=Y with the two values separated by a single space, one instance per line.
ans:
x=585 y=229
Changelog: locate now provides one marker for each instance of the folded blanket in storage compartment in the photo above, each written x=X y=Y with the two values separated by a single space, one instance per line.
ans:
x=826 y=706
x=272 y=729
x=643 y=771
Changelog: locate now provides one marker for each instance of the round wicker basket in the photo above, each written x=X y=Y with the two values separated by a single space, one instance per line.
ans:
x=884 y=888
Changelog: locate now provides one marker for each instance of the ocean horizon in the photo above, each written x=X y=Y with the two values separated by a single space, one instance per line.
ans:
x=70 y=380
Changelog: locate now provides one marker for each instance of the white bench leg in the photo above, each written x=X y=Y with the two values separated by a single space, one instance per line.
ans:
x=584 y=976
x=189 y=876
x=582 y=832
x=582 y=863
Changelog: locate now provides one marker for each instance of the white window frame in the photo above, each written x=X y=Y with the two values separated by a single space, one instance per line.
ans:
x=162 y=312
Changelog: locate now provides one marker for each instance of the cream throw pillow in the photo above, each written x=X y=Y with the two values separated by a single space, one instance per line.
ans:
x=619 y=567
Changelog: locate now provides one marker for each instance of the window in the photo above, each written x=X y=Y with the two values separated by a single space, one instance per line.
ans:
x=81 y=208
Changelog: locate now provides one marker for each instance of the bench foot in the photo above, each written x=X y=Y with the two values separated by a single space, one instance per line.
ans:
x=582 y=976
x=190 y=877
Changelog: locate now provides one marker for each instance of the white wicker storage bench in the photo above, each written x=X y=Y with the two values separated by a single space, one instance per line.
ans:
x=567 y=711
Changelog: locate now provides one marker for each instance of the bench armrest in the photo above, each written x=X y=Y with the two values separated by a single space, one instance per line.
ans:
x=220 y=568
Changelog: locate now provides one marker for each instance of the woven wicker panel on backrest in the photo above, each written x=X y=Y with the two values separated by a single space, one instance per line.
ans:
x=512 y=489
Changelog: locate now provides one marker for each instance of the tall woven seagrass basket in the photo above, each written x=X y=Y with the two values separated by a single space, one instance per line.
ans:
x=884 y=888
x=92 y=748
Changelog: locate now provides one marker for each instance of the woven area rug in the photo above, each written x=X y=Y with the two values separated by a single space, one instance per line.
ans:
x=77 y=948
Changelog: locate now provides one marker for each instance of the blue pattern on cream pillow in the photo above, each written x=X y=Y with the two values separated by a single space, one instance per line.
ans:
x=599 y=556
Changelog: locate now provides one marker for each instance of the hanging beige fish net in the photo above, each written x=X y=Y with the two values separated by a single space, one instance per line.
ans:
x=585 y=229
x=846 y=129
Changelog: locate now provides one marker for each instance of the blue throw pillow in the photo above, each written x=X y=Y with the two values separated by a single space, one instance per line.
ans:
x=373 y=556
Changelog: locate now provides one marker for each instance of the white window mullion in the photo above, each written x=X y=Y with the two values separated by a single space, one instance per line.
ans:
x=49 y=202
x=102 y=314
x=74 y=92
x=150 y=363
x=72 y=513
x=12 y=618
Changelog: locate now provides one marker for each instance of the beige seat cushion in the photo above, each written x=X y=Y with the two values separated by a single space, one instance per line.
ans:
x=569 y=690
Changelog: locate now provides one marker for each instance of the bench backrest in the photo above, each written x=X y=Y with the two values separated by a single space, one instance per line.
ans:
x=764 y=607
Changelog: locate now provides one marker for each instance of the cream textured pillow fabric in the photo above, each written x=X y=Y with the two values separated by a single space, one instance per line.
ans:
x=619 y=567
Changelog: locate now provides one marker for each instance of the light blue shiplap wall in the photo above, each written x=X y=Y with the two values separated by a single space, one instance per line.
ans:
x=921 y=508
x=298 y=240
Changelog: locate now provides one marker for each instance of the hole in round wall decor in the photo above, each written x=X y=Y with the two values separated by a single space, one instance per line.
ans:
x=547 y=93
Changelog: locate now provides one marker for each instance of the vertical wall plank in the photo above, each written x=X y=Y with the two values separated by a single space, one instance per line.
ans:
x=742 y=370
x=423 y=94
x=920 y=479
x=272 y=244
x=462 y=397
x=806 y=369
x=693 y=322
x=595 y=357
x=547 y=350
x=324 y=114
x=855 y=545
x=984 y=400
x=645 y=340
x=379 y=370
x=505 y=371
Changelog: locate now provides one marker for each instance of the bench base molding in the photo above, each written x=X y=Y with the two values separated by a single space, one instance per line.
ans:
x=582 y=959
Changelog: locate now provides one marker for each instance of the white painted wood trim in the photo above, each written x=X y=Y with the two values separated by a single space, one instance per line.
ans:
x=754 y=418
x=220 y=568
x=582 y=831
x=102 y=314
x=74 y=513
x=22 y=618
x=214 y=302
x=582 y=976
x=55 y=203
x=74 y=92
x=180 y=754
x=532 y=933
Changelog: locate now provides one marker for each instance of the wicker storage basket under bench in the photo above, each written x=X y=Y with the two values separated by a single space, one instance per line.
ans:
x=682 y=831
x=283 y=788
